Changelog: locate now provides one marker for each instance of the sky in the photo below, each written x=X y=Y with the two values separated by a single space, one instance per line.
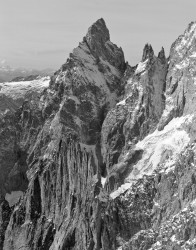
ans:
x=41 y=33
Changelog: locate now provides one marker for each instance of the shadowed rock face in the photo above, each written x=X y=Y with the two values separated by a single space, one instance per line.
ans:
x=106 y=154
x=98 y=41
x=13 y=154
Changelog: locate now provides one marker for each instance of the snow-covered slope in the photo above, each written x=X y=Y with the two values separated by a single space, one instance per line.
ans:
x=177 y=125
x=17 y=90
x=12 y=94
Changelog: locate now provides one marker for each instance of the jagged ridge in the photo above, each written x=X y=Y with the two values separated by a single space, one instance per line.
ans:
x=109 y=150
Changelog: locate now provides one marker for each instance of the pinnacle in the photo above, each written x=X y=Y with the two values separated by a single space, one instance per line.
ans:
x=191 y=26
x=100 y=22
x=161 y=55
x=98 y=31
x=98 y=42
x=147 y=52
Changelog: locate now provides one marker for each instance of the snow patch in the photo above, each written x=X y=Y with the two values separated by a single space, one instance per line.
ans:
x=13 y=197
x=173 y=238
x=135 y=85
x=141 y=67
x=17 y=90
x=161 y=147
x=193 y=204
x=169 y=106
x=103 y=181
x=183 y=64
x=120 y=190
x=123 y=102
x=193 y=55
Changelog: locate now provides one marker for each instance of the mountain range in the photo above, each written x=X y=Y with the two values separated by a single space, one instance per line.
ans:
x=102 y=155
x=8 y=73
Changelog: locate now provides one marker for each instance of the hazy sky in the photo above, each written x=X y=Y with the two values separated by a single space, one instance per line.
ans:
x=41 y=33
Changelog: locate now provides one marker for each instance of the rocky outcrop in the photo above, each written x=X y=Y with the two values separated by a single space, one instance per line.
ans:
x=107 y=152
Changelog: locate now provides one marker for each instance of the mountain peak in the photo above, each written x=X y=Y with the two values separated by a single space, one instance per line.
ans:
x=98 y=31
x=185 y=43
x=147 y=52
x=98 y=42
x=190 y=32
x=161 y=55
x=191 y=26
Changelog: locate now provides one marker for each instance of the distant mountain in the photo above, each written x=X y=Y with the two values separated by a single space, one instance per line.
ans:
x=13 y=94
x=8 y=73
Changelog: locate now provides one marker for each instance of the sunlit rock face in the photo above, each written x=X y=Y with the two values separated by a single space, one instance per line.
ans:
x=104 y=157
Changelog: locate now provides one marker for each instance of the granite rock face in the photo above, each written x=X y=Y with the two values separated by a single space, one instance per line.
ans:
x=105 y=155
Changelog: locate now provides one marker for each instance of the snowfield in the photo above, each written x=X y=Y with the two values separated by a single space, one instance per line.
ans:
x=16 y=90
x=12 y=94
x=160 y=147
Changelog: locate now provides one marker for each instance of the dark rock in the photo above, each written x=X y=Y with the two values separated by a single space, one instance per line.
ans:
x=148 y=52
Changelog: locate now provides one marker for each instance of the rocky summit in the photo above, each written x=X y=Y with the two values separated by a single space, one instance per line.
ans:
x=102 y=155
